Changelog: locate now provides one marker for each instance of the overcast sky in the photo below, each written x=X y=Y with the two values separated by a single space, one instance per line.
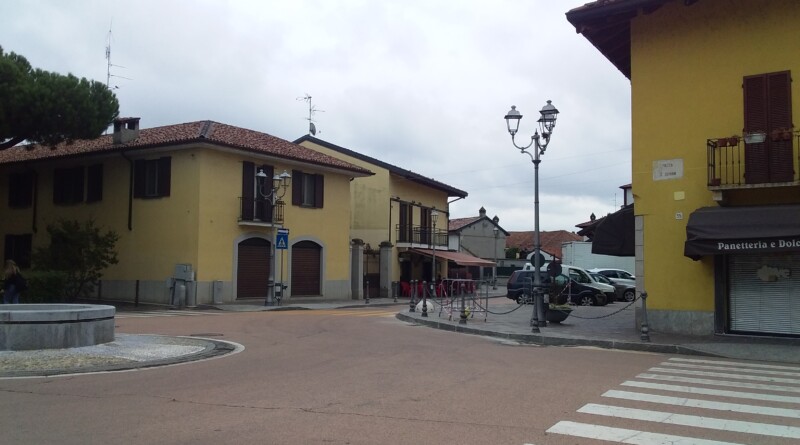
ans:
x=421 y=84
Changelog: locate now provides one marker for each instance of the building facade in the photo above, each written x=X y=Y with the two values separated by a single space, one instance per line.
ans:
x=187 y=203
x=714 y=157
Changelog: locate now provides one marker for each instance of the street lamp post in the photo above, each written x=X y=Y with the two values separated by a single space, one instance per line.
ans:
x=276 y=191
x=434 y=217
x=547 y=122
x=494 y=272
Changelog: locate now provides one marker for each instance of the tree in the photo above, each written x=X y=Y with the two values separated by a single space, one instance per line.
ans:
x=512 y=252
x=49 y=108
x=79 y=251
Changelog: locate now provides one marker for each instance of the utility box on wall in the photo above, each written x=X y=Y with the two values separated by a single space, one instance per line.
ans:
x=216 y=291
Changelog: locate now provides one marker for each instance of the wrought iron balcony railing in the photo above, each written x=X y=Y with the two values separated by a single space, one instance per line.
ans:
x=420 y=235
x=259 y=210
x=756 y=160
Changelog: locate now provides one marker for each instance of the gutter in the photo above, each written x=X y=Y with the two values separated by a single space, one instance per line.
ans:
x=130 y=191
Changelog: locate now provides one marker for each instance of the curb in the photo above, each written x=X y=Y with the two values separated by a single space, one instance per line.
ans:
x=547 y=340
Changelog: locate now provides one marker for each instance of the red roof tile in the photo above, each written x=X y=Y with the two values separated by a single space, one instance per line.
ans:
x=183 y=134
x=551 y=241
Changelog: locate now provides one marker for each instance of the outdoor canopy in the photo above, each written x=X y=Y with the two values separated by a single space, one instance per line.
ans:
x=615 y=234
x=727 y=230
x=460 y=258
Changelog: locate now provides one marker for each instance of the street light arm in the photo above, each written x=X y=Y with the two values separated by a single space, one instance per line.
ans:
x=522 y=149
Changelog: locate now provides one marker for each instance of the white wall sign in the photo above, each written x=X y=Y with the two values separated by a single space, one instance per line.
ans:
x=667 y=169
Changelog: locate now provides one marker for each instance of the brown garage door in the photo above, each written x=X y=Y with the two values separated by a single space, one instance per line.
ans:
x=253 y=272
x=306 y=268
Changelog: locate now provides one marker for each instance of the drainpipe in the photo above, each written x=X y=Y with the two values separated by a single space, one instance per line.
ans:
x=130 y=191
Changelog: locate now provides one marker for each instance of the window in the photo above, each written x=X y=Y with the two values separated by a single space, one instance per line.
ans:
x=94 y=183
x=308 y=190
x=253 y=204
x=20 y=190
x=151 y=178
x=18 y=248
x=768 y=109
x=68 y=185
x=405 y=234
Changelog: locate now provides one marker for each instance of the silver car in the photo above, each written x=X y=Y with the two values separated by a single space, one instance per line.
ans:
x=624 y=282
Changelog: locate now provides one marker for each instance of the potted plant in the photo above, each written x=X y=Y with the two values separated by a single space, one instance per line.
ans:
x=559 y=309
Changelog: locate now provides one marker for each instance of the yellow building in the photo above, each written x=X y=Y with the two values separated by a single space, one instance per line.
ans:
x=401 y=217
x=714 y=157
x=192 y=201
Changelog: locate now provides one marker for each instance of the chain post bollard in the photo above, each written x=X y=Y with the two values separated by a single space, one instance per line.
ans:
x=535 y=314
x=425 y=299
x=366 y=294
x=463 y=319
x=396 y=290
x=645 y=327
x=413 y=303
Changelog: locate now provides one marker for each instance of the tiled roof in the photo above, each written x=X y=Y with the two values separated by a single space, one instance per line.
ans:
x=551 y=241
x=184 y=134
x=408 y=174
x=459 y=223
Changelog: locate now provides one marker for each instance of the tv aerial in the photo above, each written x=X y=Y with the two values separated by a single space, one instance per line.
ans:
x=312 y=129
x=109 y=64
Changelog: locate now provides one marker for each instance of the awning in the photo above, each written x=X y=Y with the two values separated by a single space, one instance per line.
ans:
x=753 y=229
x=615 y=234
x=460 y=258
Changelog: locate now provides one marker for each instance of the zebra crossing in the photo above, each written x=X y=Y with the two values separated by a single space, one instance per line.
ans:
x=163 y=313
x=718 y=402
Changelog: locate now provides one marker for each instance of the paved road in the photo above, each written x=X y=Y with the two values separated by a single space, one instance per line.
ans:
x=359 y=376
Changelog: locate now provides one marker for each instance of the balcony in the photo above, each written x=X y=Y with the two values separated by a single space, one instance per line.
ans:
x=260 y=212
x=755 y=161
x=419 y=236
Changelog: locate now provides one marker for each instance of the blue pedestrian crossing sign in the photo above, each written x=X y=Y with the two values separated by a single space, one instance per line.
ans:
x=282 y=239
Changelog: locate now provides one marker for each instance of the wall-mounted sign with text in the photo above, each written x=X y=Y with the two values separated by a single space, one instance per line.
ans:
x=667 y=169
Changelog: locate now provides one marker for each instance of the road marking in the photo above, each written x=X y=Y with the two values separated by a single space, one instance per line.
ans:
x=704 y=404
x=731 y=368
x=143 y=314
x=735 y=364
x=621 y=435
x=764 y=429
x=713 y=392
x=726 y=375
x=673 y=378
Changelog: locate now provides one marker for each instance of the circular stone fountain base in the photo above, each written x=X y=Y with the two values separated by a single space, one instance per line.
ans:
x=54 y=326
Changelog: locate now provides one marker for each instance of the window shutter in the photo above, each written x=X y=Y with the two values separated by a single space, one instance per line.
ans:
x=94 y=188
x=319 y=190
x=248 y=190
x=756 y=160
x=164 y=174
x=8 y=248
x=781 y=165
x=78 y=177
x=297 y=187
x=264 y=207
x=138 y=178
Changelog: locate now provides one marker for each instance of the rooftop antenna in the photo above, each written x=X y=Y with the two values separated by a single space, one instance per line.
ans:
x=108 y=62
x=312 y=129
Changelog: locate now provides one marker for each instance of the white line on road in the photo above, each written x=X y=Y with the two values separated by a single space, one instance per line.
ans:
x=736 y=364
x=704 y=404
x=726 y=375
x=682 y=379
x=732 y=369
x=621 y=435
x=764 y=429
x=712 y=392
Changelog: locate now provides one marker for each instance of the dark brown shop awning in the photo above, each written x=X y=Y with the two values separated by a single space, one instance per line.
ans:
x=460 y=258
x=752 y=229
x=615 y=234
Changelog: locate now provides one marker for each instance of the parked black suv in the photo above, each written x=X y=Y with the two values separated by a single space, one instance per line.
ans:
x=520 y=284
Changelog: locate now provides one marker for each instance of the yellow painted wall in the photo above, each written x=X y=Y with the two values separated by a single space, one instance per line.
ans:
x=687 y=69
x=196 y=224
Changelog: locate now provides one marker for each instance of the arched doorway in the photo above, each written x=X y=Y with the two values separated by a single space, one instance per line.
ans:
x=252 y=275
x=306 y=269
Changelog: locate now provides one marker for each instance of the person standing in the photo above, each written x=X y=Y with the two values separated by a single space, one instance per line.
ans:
x=12 y=284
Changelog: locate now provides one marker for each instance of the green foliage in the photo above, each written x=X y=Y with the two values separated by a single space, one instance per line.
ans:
x=512 y=252
x=44 y=286
x=80 y=251
x=50 y=108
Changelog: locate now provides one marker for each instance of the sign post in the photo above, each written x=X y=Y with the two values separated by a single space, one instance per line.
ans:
x=282 y=244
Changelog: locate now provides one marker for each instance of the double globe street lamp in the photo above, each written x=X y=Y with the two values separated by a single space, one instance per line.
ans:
x=547 y=122
x=277 y=190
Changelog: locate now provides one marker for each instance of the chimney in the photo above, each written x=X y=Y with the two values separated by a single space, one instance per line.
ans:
x=126 y=129
x=482 y=212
